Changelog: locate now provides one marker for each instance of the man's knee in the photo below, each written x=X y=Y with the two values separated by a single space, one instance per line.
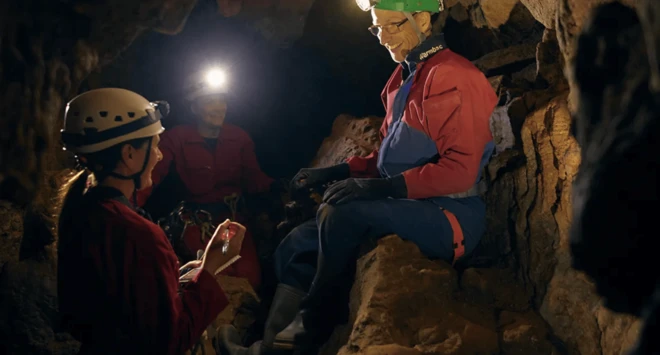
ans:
x=300 y=240
x=344 y=213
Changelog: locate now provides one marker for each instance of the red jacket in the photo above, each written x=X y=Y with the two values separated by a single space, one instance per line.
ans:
x=444 y=139
x=208 y=175
x=118 y=283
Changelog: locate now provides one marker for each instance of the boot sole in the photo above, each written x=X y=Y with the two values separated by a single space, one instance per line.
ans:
x=291 y=349
x=284 y=346
x=288 y=349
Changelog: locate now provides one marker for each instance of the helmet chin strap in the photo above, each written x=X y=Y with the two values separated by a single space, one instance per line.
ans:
x=411 y=19
x=137 y=177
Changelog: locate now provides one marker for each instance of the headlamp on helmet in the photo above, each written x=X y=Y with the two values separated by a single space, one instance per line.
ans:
x=215 y=78
x=212 y=81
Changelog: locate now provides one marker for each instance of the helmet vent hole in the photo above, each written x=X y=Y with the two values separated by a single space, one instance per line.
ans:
x=89 y=119
x=118 y=118
x=131 y=114
x=103 y=113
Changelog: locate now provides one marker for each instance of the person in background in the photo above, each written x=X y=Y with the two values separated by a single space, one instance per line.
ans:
x=118 y=276
x=214 y=164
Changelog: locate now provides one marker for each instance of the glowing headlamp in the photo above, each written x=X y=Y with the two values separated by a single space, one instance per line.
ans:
x=215 y=78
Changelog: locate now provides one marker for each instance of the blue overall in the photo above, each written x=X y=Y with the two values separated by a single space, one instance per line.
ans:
x=338 y=230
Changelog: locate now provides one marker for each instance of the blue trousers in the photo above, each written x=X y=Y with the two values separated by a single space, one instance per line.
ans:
x=322 y=248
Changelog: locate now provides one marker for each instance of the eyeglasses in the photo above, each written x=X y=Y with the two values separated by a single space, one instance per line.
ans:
x=391 y=28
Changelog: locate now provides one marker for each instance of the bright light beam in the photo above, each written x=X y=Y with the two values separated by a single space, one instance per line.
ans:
x=215 y=78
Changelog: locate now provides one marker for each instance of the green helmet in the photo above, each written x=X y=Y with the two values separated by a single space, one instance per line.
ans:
x=402 y=5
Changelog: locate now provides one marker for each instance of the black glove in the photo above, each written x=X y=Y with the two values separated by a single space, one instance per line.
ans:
x=366 y=189
x=308 y=177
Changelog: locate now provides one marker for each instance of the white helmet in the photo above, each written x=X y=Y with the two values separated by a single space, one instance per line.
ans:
x=101 y=118
x=204 y=83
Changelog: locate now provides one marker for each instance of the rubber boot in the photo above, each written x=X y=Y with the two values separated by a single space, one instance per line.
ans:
x=296 y=336
x=301 y=333
x=286 y=303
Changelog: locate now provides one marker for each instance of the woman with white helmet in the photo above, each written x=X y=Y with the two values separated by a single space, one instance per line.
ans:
x=118 y=277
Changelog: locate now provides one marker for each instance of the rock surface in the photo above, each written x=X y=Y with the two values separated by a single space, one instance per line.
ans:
x=350 y=136
x=50 y=47
x=28 y=294
x=428 y=312
x=243 y=302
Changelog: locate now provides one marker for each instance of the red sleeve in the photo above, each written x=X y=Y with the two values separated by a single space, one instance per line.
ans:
x=364 y=167
x=161 y=169
x=169 y=320
x=254 y=180
x=458 y=121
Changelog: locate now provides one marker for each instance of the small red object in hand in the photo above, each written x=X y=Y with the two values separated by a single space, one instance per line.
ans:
x=229 y=233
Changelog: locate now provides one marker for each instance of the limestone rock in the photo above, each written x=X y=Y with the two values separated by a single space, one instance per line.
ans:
x=496 y=82
x=544 y=11
x=496 y=287
x=537 y=196
x=242 y=300
x=496 y=12
x=619 y=333
x=51 y=47
x=504 y=57
x=28 y=307
x=550 y=62
x=11 y=231
x=350 y=137
x=280 y=21
x=422 y=315
x=571 y=15
x=500 y=127
x=524 y=333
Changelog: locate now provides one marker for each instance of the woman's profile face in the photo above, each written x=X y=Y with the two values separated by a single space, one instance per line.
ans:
x=155 y=156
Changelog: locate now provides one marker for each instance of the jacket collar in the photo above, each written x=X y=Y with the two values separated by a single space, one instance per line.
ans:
x=193 y=135
x=102 y=193
x=424 y=51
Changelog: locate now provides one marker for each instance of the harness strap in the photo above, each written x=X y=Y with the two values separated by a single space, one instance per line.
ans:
x=459 y=240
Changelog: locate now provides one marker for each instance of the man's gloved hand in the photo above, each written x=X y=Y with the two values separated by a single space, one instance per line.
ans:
x=310 y=177
x=365 y=189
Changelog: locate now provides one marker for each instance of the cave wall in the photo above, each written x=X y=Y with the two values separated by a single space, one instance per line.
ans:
x=48 y=48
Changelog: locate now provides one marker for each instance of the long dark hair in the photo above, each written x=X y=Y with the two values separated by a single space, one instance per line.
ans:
x=100 y=164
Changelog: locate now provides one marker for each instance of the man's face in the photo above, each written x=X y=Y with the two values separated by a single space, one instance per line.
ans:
x=212 y=110
x=402 y=40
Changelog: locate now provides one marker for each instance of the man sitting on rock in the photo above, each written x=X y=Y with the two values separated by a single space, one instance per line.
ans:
x=422 y=184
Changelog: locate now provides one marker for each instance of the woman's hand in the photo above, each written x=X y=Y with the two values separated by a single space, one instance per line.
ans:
x=191 y=265
x=213 y=256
